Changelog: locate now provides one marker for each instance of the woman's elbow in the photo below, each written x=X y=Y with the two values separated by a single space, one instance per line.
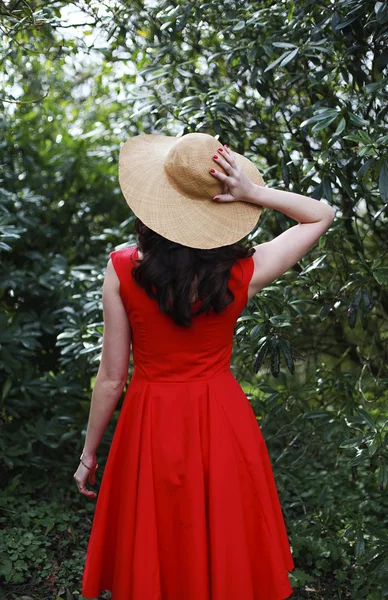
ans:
x=330 y=213
x=112 y=380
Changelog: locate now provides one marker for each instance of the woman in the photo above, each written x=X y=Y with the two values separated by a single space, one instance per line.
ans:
x=188 y=507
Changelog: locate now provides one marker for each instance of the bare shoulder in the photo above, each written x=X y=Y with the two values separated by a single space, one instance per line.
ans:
x=263 y=268
x=254 y=283
x=111 y=280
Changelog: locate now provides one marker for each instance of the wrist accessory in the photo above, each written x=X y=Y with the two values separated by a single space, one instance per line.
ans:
x=90 y=468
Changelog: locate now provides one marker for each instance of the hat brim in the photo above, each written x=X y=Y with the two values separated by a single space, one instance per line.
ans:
x=179 y=218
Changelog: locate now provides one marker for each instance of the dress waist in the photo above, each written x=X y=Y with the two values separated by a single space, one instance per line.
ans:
x=176 y=378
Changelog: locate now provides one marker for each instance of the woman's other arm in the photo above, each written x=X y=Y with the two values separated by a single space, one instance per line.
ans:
x=113 y=370
x=111 y=376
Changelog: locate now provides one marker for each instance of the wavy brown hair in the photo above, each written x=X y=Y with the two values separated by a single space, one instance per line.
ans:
x=172 y=274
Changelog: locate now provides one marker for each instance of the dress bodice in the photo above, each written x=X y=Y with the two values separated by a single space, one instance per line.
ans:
x=165 y=351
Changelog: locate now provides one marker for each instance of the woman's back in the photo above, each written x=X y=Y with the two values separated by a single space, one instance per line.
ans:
x=164 y=351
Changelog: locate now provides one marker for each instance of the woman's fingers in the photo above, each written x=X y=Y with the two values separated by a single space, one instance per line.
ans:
x=83 y=490
x=223 y=163
x=226 y=161
x=87 y=492
x=218 y=175
x=223 y=198
x=81 y=477
x=227 y=154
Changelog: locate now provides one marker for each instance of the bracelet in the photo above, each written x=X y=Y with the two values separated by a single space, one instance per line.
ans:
x=90 y=468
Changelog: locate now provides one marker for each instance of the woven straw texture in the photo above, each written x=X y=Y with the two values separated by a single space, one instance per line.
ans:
x=166 y=183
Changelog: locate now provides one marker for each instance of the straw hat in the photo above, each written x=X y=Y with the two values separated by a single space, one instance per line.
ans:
x=166 y=182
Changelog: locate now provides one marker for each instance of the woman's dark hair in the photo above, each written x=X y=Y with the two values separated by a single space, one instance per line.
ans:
x=167 y=272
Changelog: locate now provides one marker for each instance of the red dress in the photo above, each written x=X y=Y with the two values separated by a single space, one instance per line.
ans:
x=187 y=507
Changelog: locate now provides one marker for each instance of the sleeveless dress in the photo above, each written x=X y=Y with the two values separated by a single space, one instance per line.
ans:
x=187 y=507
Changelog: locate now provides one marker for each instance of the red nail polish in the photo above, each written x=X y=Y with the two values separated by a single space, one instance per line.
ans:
x=226 y=146
x=220 y=149
x=212 y=171
x=215 y=198
x=215 y=156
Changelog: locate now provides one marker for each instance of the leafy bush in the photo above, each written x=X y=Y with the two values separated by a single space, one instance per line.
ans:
x=301 y=89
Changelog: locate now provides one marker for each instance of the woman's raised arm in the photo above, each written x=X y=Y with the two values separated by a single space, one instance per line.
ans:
x=274 y=258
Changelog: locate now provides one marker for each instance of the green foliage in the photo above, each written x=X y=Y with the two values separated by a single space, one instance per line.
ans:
x=42 y=541
x=301 y=89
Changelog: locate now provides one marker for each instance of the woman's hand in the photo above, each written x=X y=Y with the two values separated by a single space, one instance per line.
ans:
x=236 y=184
x=82 y=474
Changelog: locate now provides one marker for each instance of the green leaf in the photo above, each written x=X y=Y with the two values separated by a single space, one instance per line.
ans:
x=283 y=45
x=340 y=127
x=357 y=460
x=365 y=150
x=325 y=310
x=262 y=353
x=352 y=137
x=382 y=476
x=358 y=120
x=382 y=140
x=285 y=175
x=6 y=388
x=367 y=300
x=315 y=415
x=317 y=191
x=367 y=418
x=300 y=578
x=285 y=346
x=345 y=185
x=365 y=137
x=352 y=316
x=372 y=448
x=354 y=442
x=6 y=567
x=365 y=167
x=323 y=124
x=240 y=25
x=316 y=264
x=283 y=59
x=359 y=547
x=275 y=360
x=381 y=10
x=375 y=87
x=383 y=181
x=257 y=330
x=335 y=19
x=381 y=275
x=274 y=63
x=289 y=57
x=327 y=188
x=321 y=115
